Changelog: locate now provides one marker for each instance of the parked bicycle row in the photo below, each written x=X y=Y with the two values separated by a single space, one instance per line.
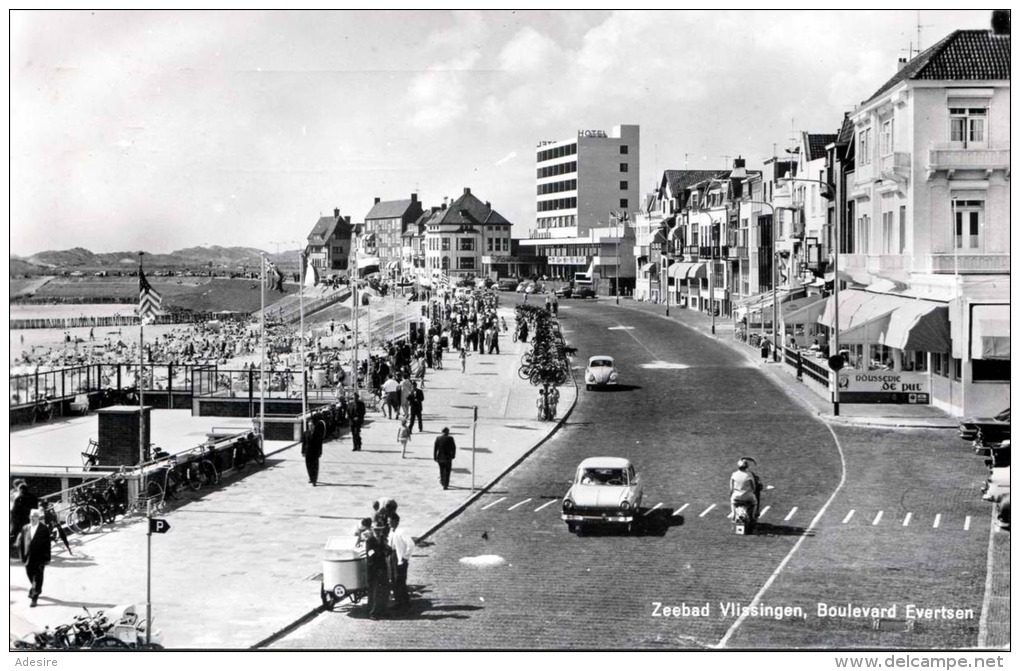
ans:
x=97 y=631
x=546 y=363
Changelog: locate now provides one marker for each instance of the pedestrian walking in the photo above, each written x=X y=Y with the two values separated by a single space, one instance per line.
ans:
x=377 y=551
x=403 y=435
x=444 y=452
x=417 y=399
x=553 y=398
x=33 y=543
x=391 y=397
x=311 y=449
x=540 y=404
x=406 y=386
x=357 y=421
x=402 y=546
x=463 y=359
x=23 y=503
x=494 y=346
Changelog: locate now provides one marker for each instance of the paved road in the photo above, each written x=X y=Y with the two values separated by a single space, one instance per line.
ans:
x=687 y=409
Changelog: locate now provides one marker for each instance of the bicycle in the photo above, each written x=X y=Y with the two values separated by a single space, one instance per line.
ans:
x=201 y=470
x=248 y=449
x=57 y=533
x=90 y=458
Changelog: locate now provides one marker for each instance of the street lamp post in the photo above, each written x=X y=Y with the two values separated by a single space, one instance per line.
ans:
x=669 y=233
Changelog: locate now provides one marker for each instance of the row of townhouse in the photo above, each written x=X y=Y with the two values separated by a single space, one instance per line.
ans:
x=906 y=206
x=405 y=242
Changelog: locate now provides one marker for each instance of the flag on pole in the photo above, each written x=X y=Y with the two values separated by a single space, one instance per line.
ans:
x=311 y=275
x=274 y=276
x=149 y=300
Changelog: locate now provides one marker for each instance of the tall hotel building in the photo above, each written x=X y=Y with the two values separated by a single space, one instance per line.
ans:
x=583 y=184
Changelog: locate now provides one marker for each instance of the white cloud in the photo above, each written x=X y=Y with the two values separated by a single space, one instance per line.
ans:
x=506 y=159
x=529 y=51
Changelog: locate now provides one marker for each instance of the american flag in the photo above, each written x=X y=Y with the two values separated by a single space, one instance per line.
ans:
x=442 y=278
x=149 y=300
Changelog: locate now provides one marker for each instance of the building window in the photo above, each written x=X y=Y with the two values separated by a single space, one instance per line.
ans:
x=467 y=244
x=864 y=146
x=623 y=167
x=624 y=186
x=967 y=126
x=903 y=229
x=989 y=370
x=488 y=244
x=888 y=233
x=466 y=263
x=446 y=263
x=624 y=149
x=886 y=138
x=446 y=244
x=623 y=203
x=968 y=216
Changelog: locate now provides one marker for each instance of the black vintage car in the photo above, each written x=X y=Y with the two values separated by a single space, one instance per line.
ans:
x=989 y=429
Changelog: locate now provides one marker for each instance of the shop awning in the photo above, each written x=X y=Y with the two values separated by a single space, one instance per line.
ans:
x=884 y=319
x=803 y=310
x=990 y=332
x=679 y=270
x=921 y=326
x=392 y=264
x=751 y=301
x=647 y=267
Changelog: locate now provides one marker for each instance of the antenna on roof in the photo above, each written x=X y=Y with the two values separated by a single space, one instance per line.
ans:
x=726 y=157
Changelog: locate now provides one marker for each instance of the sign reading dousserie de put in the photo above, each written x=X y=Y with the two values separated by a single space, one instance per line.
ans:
x=883 y=386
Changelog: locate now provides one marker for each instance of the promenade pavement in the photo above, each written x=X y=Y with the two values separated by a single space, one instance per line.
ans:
x=242 y=562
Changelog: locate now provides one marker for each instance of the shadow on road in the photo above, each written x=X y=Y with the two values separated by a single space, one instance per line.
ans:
x=617 y=388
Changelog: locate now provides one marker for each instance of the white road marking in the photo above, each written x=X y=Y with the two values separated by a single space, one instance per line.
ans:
x=966 y=524
x=789 y=555
x=938 y=520
x=494 y=503
x=906 y=520
x=790 y=514
x=665 y=365
x=878 y=518
x=621 y=328
x=518 y=504
x=706 y=510
x=848 y=516
x=680 y=509
x=763 y=511
x=653 y=508
x=545 y=505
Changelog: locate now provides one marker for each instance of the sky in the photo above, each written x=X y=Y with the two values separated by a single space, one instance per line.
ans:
x=158 y=131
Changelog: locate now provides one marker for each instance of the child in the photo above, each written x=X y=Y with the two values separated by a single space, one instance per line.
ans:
x=463 y=359
x=362 y=530
x=403 y=435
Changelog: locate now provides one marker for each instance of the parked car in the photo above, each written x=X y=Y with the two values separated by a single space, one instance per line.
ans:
x=992 y=429
x=583 y=291
x=507 y=285
x=601 y=372
x=997 y=491
x=564 y=292
x=605 y=490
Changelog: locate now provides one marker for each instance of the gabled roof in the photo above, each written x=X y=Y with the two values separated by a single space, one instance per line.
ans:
x=963 y=55
x=389 y=209
x=322 y=230
x=816 y=143
x=846 y=131
x=467 y=210
x=678 y=180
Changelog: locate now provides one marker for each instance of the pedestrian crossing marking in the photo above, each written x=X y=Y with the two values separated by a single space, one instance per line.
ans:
x=790 y=514
x=680 y=509
x=906 y=520
x=966 y=524
x=653 y=508
x=938 y=520
x=705 y=512
x=878 y=518
x=494 y=503
x=546 y=505
x=848 y=516
x=763 y=511
x=518 y=504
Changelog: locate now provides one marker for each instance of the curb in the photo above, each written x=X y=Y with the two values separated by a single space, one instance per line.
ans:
x=821 y=415
x=455 y=512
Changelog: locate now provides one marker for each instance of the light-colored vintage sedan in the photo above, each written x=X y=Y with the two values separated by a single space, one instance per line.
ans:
x=606 y=490
x=601 y=372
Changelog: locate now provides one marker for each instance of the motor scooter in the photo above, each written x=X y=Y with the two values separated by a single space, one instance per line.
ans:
x=745 y=514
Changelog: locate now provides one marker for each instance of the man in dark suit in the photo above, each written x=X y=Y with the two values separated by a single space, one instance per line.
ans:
x=444 y=452
x=357 y=421
x=415 y=405
x=24 y=502
x=311 y=448
x=34 y=550
x=377 y=550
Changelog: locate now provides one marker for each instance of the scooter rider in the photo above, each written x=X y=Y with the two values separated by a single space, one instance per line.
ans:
x=744 y=488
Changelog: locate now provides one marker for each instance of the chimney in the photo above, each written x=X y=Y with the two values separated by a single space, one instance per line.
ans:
x=336 y=212
x=347 y=219
x=1001 y=22
x=435 y=208
x=488 y=205
x=901 y=63
x=414 y=198
x=467 y=191
x=377 y=200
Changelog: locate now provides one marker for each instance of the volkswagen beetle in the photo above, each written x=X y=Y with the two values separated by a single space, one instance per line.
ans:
x=601 y=371
x=606 y=490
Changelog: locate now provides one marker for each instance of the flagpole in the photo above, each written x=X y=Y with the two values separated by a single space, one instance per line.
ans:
x=304 y=371
x=354 y=309
x=141 y=370
x=262 y=365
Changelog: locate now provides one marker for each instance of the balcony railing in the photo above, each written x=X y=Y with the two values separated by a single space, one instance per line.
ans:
x=961 y=158
x=691 y=252
x=853 y=261
x=895 y=164
x=884 y=263
x=964 y=264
